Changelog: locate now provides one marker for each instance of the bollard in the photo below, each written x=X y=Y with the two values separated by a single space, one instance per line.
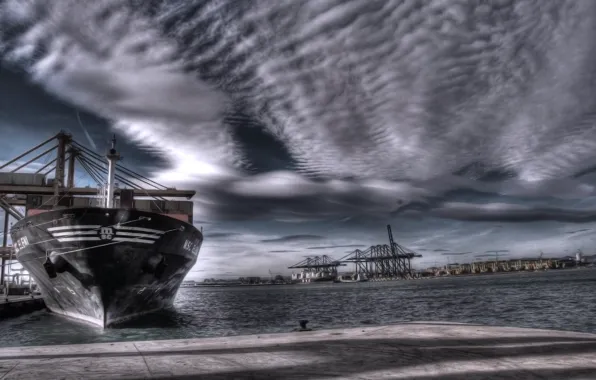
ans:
x=303 y=327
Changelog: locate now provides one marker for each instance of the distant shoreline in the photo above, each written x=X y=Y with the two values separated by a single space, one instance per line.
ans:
x=224 y=285
x=219 y=285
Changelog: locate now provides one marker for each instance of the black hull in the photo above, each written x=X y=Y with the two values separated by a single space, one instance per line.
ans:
x=112 y=265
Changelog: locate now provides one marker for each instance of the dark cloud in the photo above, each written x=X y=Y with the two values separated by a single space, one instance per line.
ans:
x=196 y=222
x=51 y=115
x=286 y=197
x=338 y=246
x=289 y=197
x=219 y=235
x=578 y=231
x=491 y=255
x=440 y=250
x=513 y=213
x=293 y=238
x=283 y=251
x=455 y=253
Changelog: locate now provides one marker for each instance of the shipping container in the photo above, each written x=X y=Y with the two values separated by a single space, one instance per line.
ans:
x=34 y=201
x=142 y=204
x=181 y=217
x=127 y=198
x=47 y=200
x=157 y=206
x=22 y=179
x=80 y=202
x=65 y=201
x=186 y=207
x=171 y=206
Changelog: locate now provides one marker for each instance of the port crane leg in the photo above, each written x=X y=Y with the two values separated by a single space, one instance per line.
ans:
x=4 y=244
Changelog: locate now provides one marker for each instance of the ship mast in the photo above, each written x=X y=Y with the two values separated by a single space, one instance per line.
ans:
x=113 y=157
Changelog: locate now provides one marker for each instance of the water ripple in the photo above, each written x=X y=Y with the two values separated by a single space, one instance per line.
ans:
x=553 y=300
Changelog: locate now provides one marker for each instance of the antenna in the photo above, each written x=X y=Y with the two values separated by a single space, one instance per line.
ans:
x=113 y=157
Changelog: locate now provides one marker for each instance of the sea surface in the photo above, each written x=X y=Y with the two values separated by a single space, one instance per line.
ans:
x=564 y=300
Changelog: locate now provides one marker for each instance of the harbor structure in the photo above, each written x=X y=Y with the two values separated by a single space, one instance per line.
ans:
x=384 y=261
x=507 y=265
x=316 y=269
x=379 y=262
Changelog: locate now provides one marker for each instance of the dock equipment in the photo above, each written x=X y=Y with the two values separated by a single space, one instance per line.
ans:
x=383 y=261
x=322 y=263
x=387 y=261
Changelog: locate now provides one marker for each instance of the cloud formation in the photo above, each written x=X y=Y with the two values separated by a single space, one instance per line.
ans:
x=338 y=246
x=503 y=212
x=323 y=85
x=293 y=238
x=455 y=253
x=414 y=113
x=220 y=235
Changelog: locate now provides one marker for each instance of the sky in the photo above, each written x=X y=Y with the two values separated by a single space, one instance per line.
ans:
x=307 y=126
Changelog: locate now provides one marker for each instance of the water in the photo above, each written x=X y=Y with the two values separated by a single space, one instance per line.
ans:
x=563 y=300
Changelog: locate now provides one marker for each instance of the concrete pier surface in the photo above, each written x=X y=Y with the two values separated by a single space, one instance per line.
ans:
x=419 y=351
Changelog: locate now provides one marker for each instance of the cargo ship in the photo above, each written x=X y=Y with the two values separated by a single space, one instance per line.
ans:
x=103 y=255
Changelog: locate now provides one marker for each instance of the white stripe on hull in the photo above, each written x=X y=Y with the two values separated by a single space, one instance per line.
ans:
x=73 y=227
x=72 y=233
x=127 y=234
x=127 y=239
x=86 y=238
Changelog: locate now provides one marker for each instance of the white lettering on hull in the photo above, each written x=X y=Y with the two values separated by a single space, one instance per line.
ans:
x=20 y=243
x=192 y=246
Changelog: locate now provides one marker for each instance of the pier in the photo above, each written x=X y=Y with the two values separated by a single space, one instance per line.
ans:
x=419 y=351
x=13 y=306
